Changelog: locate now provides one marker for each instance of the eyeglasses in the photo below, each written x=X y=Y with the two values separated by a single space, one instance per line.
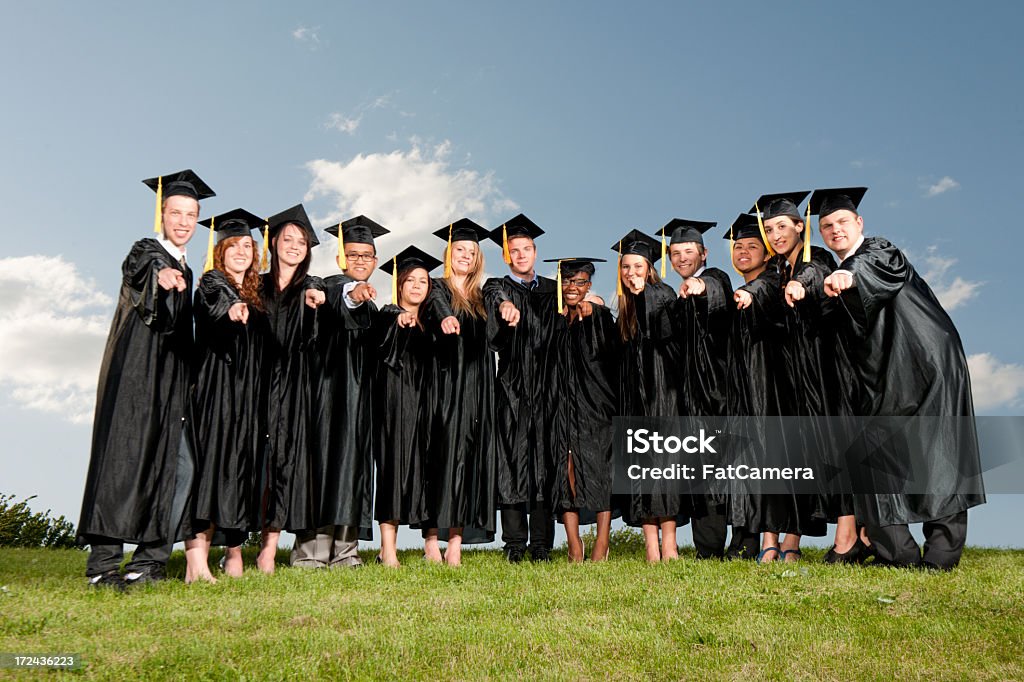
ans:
x=360 y=257
x=578 y=283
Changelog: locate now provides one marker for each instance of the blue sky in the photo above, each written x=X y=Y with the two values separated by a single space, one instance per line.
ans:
x=593 y=118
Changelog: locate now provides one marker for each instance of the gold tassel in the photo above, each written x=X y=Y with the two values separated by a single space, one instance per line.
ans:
x=264 y=260
x=663 y=254
x=807 y=234
x=209 y=250
x=394 y=280
x=342 y=261
x=558 y=283
x=158 y=217
x=618 y=273
x=448 y=254
x=504 y=246
x=764 y=236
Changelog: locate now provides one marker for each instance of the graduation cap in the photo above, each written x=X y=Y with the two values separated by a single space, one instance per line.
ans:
x=358 y=230
x=826 y=201
x=295 y=215
x=682 y=231
x=462 y=230
x=569 y=266
x=235 y=223
x=517 y=226
x=635 y=243
x=409 y=257
x=782 y=204
x=183 y=183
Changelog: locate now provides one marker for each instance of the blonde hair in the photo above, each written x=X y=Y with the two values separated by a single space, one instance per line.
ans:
x=473 y=303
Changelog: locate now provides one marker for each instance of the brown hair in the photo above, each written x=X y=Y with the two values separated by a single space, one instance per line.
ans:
x=299 y=276
x=628 y=325
x=250 y=288
x=473 y=303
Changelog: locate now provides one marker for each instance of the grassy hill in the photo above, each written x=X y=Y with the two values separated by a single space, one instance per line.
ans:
x=619 y=620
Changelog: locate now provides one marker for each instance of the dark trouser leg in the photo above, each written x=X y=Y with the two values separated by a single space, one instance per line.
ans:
x=744 y=544
x=709 y=532
x=542 y=526
x=944 y=540
x=105 y=554
x=895 y=545
x=513 y=526
x=149 y=555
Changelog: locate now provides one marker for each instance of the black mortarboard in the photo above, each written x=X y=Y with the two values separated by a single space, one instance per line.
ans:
x=235 y=223
x=681 y=230
x=743 y=227
x=826 y=201
x=517 y=226
x=636 y=243
x=410 y=257
x=297 y=215
x=183 y=183
x=358 y=230
x=462 y=230
x=775 y=205
x=568 y=266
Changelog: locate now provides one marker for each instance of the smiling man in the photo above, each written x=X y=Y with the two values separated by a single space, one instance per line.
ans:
x=909 y=361
x=522 y=312
x=140 y=468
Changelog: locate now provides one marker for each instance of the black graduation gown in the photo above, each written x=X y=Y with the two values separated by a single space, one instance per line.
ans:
x=229 y=405
x=523 y=406
x=141 y=407
x=820 y=374
x=699 y=330
x=760 y=387
x=463 y=466
x=587 y=399
x=293 y=488
x=347 y=360
x=909 y=361
x=649 y=381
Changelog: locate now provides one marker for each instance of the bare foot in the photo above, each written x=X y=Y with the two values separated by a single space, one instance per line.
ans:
x=575 y=556
x=431 y=551
x=232 y=562
x=197 y=575
x=453 y=555
x=266 y=560
x=390 y=561
x=653 y=555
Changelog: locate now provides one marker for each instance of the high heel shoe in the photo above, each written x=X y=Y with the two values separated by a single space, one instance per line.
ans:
x=855 y=555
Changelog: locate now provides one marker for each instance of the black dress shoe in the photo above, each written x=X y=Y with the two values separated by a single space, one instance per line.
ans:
x=854 y=555
x=111 y=579
x=145 y=577
x=540 y=554
x=515 y=555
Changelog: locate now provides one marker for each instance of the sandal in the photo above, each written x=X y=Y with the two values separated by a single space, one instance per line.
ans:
x=760 y=555
x=794 y=552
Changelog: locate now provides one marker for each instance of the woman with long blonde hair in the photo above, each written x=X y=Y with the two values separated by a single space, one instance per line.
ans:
x=461 y=471
x=229 y=399
x=648 y=380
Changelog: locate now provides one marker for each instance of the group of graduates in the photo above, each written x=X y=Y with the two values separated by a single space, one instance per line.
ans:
x=275 y=400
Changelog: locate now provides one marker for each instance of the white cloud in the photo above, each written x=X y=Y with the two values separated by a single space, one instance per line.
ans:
x=994 y=383
x=344 y=123
x=411 y=192
x=308 y=35
x=951 y=293
x=53 y=326
x=945 y=184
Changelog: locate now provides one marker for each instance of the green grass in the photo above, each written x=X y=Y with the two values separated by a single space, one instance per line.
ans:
x=619 y=620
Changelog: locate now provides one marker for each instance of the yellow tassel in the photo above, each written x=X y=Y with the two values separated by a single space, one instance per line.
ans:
x=663 y=254
x=264 y=257
x=807 y=234
x=558 y=283
x=448 y=254
x=394 y=280
x=618 y=272
x=342 y=261
x=764 y=236
x=504 y=246
x=209 y=250
x=158 y=218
